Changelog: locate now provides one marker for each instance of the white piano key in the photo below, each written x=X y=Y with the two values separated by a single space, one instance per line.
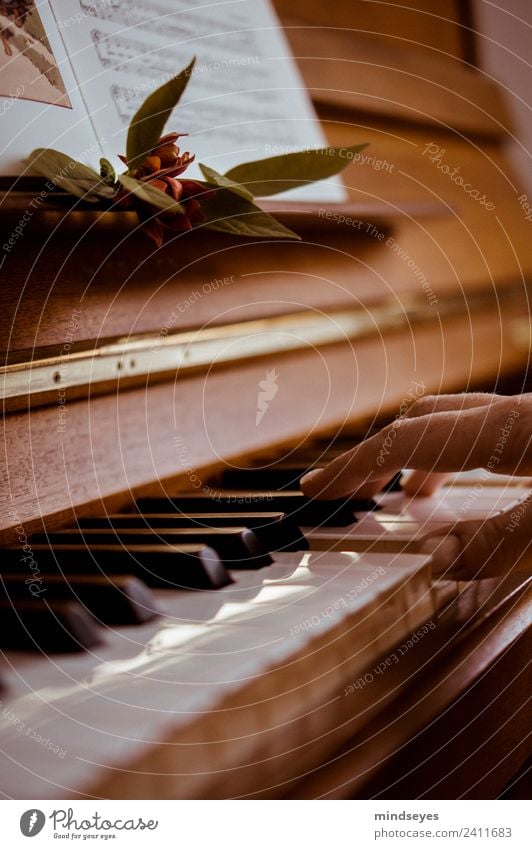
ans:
x=448 y=505
x=482 y=477
x=131 y=705
x=403 y=521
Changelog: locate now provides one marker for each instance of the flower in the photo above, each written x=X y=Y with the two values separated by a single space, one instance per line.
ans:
x=160 y=168
x=165 y=159
x=185 y=192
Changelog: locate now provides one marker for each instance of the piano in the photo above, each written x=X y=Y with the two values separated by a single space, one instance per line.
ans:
x=177 y=621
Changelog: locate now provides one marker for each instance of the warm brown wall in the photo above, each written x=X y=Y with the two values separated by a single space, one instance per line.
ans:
x=421 y=23
x=504 y=33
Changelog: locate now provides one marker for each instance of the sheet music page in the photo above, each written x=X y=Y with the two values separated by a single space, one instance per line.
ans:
x=245 y=101
x=40 y=105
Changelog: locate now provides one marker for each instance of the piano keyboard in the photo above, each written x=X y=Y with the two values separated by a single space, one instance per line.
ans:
x=181 y=693
x=402 y=523
x=225 y=666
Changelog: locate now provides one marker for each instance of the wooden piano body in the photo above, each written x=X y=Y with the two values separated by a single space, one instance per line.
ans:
x=130 y=372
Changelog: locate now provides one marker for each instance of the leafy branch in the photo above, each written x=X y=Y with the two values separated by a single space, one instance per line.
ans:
x=152 y=183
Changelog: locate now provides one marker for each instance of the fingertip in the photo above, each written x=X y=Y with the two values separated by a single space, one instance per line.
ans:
x=316 y=485
x=445 y=553
x=368 y=490
x=423 y=484
x=309 y=482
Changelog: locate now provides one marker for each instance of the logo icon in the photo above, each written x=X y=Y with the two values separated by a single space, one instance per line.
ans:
x=268 y=389
x=32 y=822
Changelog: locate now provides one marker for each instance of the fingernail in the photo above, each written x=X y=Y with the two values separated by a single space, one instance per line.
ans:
x=444 y=551
x=310 y=476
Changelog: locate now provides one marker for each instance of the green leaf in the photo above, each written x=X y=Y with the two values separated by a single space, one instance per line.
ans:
x=291 y=170
x=107 y=172
x=149 y=194
x=146 y=127
x=228 y=212
x=215 y=179
x=73 y=177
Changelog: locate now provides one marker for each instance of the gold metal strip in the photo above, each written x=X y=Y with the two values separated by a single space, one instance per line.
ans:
x=154 y=356
x=133 y=360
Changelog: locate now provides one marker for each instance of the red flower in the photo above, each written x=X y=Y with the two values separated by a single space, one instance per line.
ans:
x=165 y=159
x=185 y=192
x=160 y=168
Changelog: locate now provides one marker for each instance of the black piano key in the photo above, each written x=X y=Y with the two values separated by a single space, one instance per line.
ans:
x=296 y=506
x=286 y=476
x=283 y=476
x=194 y=566
x=275 y=530
x=59 y=626
x=122 y=600
x=277 y=477
x=394 y=484
x=238 y=547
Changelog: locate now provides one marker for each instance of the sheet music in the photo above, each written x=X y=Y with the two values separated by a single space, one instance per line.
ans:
x=245 y=100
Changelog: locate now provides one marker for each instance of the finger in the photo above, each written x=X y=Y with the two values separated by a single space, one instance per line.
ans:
x=483 y=549
x=448 y=403
x=370 y=489
x=419 y=484
x=439 y=442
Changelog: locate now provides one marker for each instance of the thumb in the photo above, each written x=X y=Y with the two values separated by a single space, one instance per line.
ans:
x=482 y=549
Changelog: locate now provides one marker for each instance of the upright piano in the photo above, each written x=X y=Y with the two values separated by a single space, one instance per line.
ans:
x=150 y=395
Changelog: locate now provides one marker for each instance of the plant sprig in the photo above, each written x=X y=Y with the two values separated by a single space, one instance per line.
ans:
x=152 y=185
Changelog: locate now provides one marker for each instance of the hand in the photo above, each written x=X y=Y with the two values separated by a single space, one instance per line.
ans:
x=437 y=436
